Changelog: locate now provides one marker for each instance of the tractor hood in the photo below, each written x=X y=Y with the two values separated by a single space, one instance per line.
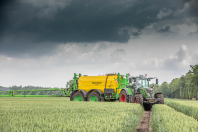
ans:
x=150 y=91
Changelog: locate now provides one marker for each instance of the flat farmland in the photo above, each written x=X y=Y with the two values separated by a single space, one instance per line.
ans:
x=43 y=114
x=188 y=107
x=167 y=119
x=60 y=114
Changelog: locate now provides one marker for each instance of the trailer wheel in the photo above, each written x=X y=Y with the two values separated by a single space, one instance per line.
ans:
x=161 y=97
x=123 y=96
x=138 y=99
x=78 y=96
x=94 y=96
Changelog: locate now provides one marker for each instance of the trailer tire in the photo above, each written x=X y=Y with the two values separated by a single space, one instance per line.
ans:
x=138 y=99
x=93 y=96
x=123 y=97
x=78 y=96
x=161 y=97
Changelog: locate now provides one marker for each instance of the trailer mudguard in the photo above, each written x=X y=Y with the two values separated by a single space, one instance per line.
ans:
x=98 y=91
x=82 y=91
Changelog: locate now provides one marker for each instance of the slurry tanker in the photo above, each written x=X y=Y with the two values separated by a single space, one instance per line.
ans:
x=109 y=87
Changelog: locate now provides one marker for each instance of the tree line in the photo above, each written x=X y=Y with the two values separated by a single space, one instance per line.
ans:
x=14 y=87
x=185 y=87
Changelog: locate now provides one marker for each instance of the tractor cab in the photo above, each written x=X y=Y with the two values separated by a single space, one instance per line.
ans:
x=137 y=83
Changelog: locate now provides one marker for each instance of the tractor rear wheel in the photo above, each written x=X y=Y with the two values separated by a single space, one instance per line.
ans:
x=138 y=99
x=123 y=97
x=161 y=97
x=78 y=96
x=93 y=96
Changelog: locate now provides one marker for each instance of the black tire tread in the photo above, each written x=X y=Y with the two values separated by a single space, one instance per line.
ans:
x=77 y=93
x=147 y=107
x=126 y=96
x=139 y=99
x=161 y=97
x=93 y=93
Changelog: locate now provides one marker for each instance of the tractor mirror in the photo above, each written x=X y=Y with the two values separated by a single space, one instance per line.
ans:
x=156 y=81
x=130 y=80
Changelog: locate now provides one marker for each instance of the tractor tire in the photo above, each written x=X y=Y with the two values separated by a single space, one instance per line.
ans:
x=147 y=107
x=123 y=97
x=138 y=99
x=161 y=97
x=78 y=96
x=93 y=96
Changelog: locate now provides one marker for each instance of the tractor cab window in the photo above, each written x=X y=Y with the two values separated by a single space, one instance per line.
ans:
x=141 y=82
x=131 y=83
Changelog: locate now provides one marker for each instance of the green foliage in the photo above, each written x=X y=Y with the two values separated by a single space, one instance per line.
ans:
x=185 y=87
x=175 y=88
x=164 y=88
x=167 y=119
x=62 y=115
x=14 y=87
x=155 y=86
x=187 y=107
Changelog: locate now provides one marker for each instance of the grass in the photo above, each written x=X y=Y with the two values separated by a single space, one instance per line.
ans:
x=61 y=115
x=188 y=107
x=167 y=119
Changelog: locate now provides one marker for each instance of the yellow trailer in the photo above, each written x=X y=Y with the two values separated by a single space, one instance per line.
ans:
x=98 y=88
x=88 y=83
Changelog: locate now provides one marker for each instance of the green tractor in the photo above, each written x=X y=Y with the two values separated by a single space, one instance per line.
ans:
x=141 y=92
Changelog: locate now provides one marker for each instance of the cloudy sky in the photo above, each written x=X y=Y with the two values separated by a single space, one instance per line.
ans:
x=44 y=42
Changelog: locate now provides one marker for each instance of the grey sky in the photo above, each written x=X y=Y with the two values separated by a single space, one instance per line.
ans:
x=43 y=42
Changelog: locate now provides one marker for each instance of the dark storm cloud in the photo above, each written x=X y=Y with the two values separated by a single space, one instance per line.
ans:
x=25 y=25
x=164 y=30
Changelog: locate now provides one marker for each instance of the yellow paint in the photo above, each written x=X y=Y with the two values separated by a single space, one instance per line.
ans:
x=97 y=82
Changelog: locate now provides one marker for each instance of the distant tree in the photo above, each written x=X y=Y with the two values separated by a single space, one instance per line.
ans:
x=174 y=88
x=155 y=87
x=189 y=84
x=182 y=86
x=164 y=88
x=194 y=78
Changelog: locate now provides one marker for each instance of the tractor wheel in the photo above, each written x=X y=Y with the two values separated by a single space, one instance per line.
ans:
x=78 y=96
x=93 y=96
x=147 y=107
x=138 y=99
x=161 y=97
x=123 y=96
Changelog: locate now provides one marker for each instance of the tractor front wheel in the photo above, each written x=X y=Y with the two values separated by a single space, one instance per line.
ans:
x=161 y=97
x=147 y=107
x=78 y=96
x=138 y=99
x=123 y=96
x=94 y=96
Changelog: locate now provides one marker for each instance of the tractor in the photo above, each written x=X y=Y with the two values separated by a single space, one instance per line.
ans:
x=143 y=94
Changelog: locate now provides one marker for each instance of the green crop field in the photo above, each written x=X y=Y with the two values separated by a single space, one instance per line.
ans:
x=167 y=119
x=188 y=107
x=61 y=115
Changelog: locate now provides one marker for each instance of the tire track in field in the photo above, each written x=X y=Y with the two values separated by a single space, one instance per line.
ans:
x=144 y=122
